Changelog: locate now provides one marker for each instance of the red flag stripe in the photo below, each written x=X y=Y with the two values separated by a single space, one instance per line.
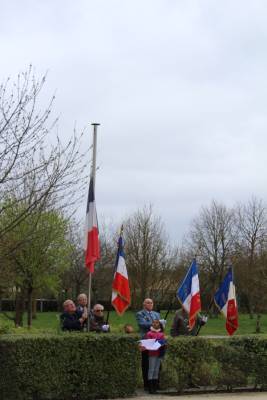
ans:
x=121 y=285
x=195 y=308
x=121 y=296
x=92 y=248
x=93 y=252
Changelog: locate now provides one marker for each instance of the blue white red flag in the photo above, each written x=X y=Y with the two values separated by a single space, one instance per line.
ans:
x=121 y=296
x=91 y=243
x=189 y=295
x=225 y=299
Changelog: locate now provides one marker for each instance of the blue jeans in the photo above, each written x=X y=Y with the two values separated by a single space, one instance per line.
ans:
x=153 y=371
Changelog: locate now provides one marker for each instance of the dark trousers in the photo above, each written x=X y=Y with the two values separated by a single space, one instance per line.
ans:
x=145 y=367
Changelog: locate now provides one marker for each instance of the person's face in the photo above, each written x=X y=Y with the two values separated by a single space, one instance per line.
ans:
x=70 y=307
x=82 y=301
x=156 y=324
x=148 y=304
x=128 y=329
x=99 y=311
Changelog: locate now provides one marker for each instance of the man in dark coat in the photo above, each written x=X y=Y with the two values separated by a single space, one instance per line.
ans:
x=71 y=319
x=180 y=325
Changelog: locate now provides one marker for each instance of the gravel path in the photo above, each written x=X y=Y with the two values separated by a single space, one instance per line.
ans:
x=226 y=396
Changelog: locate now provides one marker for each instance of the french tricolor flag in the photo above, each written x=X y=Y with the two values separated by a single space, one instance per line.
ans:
x=188 y=294
x=121 y=296
x=91 y=245
x=225 y=300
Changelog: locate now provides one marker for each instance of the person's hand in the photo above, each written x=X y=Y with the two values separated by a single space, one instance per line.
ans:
x=204 y=319
x=105 y=328
x=141 y=348
x=85 y=313
x=163 y=322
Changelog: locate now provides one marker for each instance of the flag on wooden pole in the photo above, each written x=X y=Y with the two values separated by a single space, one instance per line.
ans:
x=121 y=296
x=92 y=251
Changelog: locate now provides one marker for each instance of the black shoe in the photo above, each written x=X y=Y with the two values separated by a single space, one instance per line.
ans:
x=156 y=384
x=151 y=387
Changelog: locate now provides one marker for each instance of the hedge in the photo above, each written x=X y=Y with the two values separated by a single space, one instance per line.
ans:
x=226 y=363
x=67 y=366
x=88 y=366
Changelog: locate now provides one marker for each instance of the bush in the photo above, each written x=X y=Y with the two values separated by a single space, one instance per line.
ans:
x=188 y=362
x=87 y=366
x=226 y=363
x=68 y=366
x=253 y=358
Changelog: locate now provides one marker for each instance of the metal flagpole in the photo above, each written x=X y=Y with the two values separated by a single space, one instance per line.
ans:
x=92 y=176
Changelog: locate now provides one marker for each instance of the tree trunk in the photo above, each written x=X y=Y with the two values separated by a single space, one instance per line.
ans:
x=77 y=289
x=29 y=307
x=258 y=325
x=19 y=309
x=34 y=308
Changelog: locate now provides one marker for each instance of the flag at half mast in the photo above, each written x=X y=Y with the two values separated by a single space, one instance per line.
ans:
x=189 y=295
x=121 y=296
x=91 y=245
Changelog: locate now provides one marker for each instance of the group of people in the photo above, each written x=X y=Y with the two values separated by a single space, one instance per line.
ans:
x=151 y=326
x=75 y=317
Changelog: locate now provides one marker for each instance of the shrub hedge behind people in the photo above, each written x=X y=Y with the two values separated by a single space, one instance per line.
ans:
x=225 y=363
x=67 y=366
x=82 y=366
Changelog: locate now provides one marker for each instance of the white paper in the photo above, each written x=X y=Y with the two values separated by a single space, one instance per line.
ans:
x=150 y=344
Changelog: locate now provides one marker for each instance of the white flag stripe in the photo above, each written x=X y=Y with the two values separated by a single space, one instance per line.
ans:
x=90 y=221
x=121 y=269
x=231 y=296
x=187 y=303
x=195 y=285
x=231 y=293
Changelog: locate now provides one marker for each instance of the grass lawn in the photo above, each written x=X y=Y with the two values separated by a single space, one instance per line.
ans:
x=49 y=322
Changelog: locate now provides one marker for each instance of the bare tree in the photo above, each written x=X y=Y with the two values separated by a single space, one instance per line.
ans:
x=150 y=259
x=75 y=278
x=251 y=251
x=39 y=173
x=36 y=167
x=212 y=240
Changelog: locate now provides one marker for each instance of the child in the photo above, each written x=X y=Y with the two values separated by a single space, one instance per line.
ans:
x=128 y=328
x=155 y=356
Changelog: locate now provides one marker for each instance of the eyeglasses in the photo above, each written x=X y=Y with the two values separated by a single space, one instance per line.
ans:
x=99 y=310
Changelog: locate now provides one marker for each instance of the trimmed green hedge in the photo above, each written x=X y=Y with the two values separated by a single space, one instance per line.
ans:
x=87 y=366
x=68 y=366
x=226 y=363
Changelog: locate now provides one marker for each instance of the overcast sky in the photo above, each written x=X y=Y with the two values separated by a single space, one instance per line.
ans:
x=179 y=87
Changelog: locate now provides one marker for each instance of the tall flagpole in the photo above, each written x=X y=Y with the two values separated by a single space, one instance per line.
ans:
x=92 y=176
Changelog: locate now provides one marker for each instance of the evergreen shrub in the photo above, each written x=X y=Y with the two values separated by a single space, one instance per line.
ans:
x=223 y=363
x=67 y=366
x=88 y=366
